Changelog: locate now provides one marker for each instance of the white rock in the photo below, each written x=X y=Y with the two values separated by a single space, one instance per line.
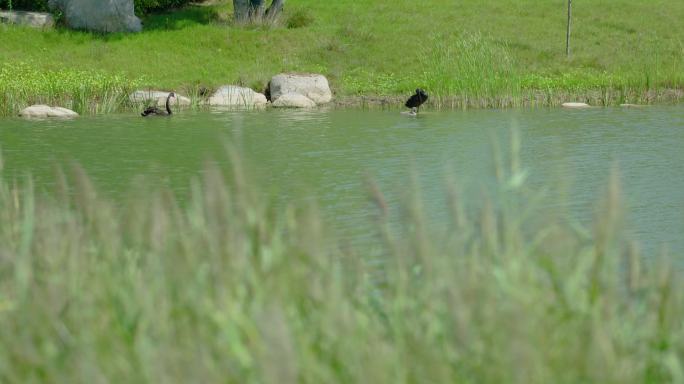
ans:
x=145 y=97
x=293 y=100
x=315 y=87
x=575 y=105
x=99 y=15
x=232 y=95
x=44 y=111
x=32 y=19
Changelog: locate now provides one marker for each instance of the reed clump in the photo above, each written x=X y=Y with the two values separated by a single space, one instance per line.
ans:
x=471 y=70
x=86 y=92
x=228 y=287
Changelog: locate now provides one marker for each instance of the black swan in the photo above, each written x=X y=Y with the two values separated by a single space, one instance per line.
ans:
x=415 y=101
x=155 y=111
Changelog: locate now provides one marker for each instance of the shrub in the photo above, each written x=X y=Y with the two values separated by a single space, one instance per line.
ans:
x=141 y=6
x=26 y=5
x=300 y=18
x=145 y=6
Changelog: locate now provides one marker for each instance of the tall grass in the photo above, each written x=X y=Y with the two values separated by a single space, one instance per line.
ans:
x=468 y=67
x=230 y=288
x=85 y=92
x=471 y=70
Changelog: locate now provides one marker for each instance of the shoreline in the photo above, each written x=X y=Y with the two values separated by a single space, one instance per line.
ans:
x=531 y=99
x=527 y=99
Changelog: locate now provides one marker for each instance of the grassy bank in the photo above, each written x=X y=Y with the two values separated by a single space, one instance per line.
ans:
x=227 y=288
x=466 y=53
x=22 y=85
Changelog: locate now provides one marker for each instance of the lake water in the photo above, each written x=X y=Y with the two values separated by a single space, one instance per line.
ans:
x=324 y=154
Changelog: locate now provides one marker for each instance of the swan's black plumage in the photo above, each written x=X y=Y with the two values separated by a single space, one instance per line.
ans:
x=416 y=100
x=155 y=111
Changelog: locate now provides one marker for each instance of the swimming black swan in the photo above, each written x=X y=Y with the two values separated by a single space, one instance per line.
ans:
x=154 y=111
x=415 y=101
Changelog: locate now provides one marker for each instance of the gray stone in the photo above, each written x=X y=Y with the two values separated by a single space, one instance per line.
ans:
x=293 y=100
x=45 y=111
x=99 y=15
x=232 y=95
x=31 y=19
x=575 y=105
x=147 y=97
x=314 y=87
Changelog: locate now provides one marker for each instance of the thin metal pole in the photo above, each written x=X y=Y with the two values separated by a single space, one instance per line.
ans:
x=567 y=35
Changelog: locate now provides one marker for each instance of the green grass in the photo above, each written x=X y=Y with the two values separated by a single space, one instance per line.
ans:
x=22 y=85
x=465 y=53
x=226 y=287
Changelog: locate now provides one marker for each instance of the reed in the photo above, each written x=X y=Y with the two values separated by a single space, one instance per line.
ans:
x=484 y=70
x=86 y=92
x=228 y=287
x=471 y=71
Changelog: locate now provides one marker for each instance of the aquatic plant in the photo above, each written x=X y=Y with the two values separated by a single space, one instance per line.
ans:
x=227 y=287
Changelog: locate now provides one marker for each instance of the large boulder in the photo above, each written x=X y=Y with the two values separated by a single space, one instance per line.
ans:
x=158 y=98
x=31 y=19
x=314 y=87
x=44 y=111
x=100 y=15
x=293 y=100
x=232 y=95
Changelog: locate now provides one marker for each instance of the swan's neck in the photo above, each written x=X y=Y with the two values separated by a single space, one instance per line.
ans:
x=168 y=105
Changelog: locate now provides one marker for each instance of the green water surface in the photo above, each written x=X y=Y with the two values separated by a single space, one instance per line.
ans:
x=325 y=154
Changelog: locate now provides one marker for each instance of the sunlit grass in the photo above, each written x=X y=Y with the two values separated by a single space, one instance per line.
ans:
x=227 y=287
x=465 y=53
x=86 y=92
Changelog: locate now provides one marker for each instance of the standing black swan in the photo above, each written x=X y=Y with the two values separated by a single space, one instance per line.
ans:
x=155 y=111
x=415 y=101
